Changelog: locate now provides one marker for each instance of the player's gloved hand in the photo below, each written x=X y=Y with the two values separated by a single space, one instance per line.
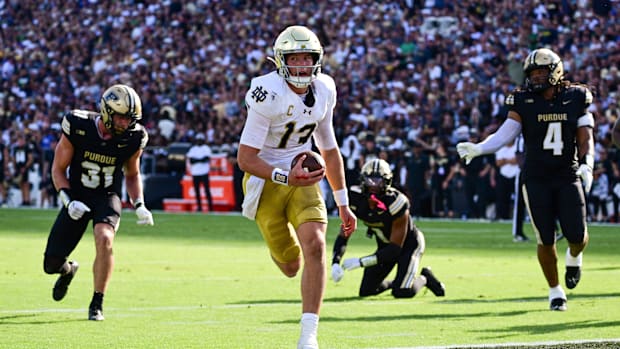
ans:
x=77 y=209
x=145 y=217
x=351 y=263
x=585 y=172
x=468 y=151
x=337 y=272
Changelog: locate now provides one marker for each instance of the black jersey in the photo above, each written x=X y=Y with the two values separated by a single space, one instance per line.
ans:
x=549 y=129
x=21 y=153
x=97 y=165
x=379 y=220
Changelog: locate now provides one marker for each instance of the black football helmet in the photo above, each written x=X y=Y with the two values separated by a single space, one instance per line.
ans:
x=376 y=177
x=543 y=58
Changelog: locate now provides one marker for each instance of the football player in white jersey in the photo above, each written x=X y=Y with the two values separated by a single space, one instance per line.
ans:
x=287 y=109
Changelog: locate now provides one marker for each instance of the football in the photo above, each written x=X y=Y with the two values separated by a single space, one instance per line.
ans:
x=312 y=162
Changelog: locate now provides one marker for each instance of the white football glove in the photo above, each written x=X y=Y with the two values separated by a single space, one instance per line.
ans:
x=145 y=217
x=351 y=263
x=468 y=151
x=337 y=272
x=77 y=209
x=585 y=172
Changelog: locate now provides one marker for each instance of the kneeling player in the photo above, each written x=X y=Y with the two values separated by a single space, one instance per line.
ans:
x=385 y=211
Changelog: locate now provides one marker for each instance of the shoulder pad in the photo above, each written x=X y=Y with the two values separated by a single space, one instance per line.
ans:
x=265 y=93
x=73 y=117
x=326 y=80
x=144 y=136
x=582 y=90
x=515 y=97
x=399 y=202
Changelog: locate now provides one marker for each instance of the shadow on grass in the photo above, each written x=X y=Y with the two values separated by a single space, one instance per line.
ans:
x=571 y=296
x=384 y=298
x=533 y=329
x=537 y=329
x=404 y=317
x=30 y=319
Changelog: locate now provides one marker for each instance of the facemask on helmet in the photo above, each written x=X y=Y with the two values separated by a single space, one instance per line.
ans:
x=120 y=100
x=376 y=177
x=297 y=39
x=545 y=59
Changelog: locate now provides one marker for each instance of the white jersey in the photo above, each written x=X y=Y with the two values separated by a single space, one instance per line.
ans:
x=280 y=124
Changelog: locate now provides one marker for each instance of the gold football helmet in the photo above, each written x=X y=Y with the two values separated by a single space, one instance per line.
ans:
x=295 y=39
x=376 y=177
x=543 y=58
x=120 y=100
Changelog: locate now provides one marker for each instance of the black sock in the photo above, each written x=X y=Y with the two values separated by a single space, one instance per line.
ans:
x=97 y=301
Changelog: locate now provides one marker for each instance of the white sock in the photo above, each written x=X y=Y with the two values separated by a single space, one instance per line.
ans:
x=556 y=292
x=309 y=320
x=309 y=328
x=573 y=261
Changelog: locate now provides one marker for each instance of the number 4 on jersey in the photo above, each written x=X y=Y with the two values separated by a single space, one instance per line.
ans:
x=553 y=138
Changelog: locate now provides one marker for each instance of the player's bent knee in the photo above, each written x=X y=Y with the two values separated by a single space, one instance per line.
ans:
x=53 y=264
x=290 y=270
x=367 y=291
x=403 y=292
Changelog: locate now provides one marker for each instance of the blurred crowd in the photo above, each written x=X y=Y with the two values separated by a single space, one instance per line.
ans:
x=414 y=77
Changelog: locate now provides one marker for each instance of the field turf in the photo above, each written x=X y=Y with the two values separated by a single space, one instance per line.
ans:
x=207 y=281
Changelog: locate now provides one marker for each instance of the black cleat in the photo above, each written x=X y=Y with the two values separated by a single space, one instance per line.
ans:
x=558 y=304
x=572 y=276
x=62 y=284
x=95 y=314
x=432 y=283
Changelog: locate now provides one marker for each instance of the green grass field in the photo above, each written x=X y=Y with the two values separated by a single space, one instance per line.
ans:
x=207 y=281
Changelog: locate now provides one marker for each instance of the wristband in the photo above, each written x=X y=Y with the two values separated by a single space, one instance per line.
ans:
x=279 y=176
x=341 y=197
x=138 y=202
x=65 y=196
x=369 y=261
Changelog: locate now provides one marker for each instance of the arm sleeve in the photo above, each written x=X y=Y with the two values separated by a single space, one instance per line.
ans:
x=340 y=246
x=508 y=131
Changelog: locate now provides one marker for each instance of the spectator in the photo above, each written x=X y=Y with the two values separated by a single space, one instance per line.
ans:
x=198 y=162
x=22 y=157
x=182 y=62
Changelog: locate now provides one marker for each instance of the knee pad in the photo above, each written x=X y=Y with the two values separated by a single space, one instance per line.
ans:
x=53 y=264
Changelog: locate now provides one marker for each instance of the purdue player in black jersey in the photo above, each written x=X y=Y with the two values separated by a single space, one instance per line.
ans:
x=97 y=150
x=385 y=211
x=552 y=113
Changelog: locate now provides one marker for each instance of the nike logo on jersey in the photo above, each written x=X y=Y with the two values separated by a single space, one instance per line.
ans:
x=566 y=102
x=122 y=145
